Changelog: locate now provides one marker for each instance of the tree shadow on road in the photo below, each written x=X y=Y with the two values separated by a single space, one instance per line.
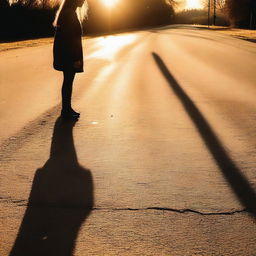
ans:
x=230 y=171
x=61 y=199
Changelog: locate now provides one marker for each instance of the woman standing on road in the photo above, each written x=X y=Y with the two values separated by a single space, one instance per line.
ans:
x=67 y=49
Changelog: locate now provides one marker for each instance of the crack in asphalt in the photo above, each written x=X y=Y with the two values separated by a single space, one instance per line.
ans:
x=175 y=210
x=21 y=203
x=9 y=200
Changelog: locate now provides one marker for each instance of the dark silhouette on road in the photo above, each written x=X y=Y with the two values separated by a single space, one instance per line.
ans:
x=60 y=200
x=68 y=50
x=231 y=172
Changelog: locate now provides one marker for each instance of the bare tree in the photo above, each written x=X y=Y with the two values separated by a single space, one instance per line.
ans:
x=220 y=4
x=36 y=3
x=178 y=4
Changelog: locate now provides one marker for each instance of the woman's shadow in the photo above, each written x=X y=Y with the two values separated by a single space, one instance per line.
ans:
x=60 y=200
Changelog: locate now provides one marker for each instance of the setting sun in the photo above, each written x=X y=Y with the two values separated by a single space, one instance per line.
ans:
x=109 y=3
x=193 y=4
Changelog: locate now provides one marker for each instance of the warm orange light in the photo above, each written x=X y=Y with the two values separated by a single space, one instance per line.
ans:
x=194 y=4
x=109 y=3
x=109 y=46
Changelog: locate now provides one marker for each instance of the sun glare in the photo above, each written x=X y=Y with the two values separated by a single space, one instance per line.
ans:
x=109 y=3
x=109 y=46
x=193 y=4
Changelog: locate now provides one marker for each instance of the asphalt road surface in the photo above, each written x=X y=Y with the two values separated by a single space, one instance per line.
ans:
x=161 y=162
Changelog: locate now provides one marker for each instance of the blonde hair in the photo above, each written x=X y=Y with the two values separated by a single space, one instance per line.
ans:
x=80 y=11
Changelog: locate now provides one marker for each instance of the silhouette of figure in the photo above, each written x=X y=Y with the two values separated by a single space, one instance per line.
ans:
x=67 y=49
x=61 y=199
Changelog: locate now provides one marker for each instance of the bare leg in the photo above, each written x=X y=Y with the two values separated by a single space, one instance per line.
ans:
x=68 y=78
x=67 y=111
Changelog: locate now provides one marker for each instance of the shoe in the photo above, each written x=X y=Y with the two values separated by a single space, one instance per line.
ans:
x=69 y=114
x=74 y=112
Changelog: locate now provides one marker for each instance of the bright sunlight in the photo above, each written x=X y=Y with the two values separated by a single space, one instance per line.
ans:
x=193 y=4
x=109 y=3
x=109 y=46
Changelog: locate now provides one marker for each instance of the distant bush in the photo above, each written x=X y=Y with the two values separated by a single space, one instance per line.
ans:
x=199 y=16
x=128 y=14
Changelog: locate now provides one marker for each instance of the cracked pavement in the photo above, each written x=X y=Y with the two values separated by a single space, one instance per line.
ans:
x=161 y=162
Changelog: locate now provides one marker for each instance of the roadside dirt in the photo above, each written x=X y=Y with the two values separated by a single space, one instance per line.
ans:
x=244 y=34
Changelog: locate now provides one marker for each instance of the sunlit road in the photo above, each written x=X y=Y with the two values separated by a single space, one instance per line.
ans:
x=165 y=149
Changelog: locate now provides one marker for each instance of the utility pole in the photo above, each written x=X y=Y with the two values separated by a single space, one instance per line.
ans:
x=251 y=19
x=214 y=12
x=209 y=12
x=253 y=16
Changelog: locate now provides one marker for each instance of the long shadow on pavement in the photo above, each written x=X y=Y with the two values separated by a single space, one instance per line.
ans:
x=61 y=199
x=231 y=172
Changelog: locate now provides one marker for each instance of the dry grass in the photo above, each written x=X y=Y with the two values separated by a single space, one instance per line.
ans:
x=25 y=43
x=249 y=35
x=245 y=34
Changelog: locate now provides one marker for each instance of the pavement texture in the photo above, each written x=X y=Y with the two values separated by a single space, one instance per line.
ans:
x=161 y=162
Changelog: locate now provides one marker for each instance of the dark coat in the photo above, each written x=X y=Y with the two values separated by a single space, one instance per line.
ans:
x=67 y=47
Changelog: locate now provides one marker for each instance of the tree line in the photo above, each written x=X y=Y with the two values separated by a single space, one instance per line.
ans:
x=236 y=13
x=33 y=18
x=239 y=13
